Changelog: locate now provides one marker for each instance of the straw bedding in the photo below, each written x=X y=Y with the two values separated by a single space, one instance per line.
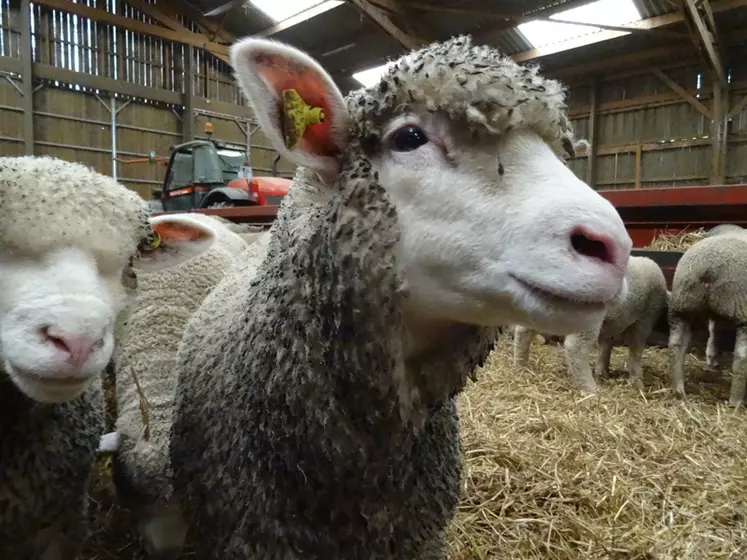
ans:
x=679 y=241
x=551 y=475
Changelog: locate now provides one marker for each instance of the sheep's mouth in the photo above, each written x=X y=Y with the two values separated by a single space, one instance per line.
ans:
x=556 y=298
x=67 y=382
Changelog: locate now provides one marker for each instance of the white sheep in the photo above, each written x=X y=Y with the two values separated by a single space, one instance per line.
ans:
x=631 y=315
x=194 y=254
x=64 y=259
x=709 y=285
x=316 y=412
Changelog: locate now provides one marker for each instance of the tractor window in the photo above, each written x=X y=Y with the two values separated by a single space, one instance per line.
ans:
x=181 y=171
x=230 y=161
x=207 y=166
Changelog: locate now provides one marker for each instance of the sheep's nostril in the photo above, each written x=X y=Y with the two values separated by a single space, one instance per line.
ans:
x=57 y=341
x=593 y=245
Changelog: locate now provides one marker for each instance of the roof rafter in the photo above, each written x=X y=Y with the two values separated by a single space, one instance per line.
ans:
x=705 y=35
x=383 y=19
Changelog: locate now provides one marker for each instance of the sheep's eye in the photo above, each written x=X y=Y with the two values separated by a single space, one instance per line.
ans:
x=408 y=138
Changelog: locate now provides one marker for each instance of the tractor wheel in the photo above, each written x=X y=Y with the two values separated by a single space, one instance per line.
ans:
x=221 y=204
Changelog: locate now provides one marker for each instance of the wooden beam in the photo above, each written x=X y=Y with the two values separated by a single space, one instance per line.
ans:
x=592 y=134
x=188 y=38
x=686 y=95
x=188 y=115
x=638 y=166
x=650 y=23
x=27 y=75
x=382 y=19
x=707 y=41
x=211 y=29
x=718 y=134
x=520 y=18
x=300 y=17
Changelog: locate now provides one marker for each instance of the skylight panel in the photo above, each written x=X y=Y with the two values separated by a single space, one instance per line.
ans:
x=369 y=77
x=603 y=12
x=280 y=10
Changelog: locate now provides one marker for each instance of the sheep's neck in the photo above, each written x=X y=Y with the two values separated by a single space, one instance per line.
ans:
x=435 y=353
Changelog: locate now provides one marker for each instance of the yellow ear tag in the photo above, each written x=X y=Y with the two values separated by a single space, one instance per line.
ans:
x=297 y=116
x=155 y=243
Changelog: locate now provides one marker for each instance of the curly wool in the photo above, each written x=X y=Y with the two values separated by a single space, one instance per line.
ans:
x=300 y=431
x=47 y=203
x=47 y=450
x=478 y=85
x=147 y=346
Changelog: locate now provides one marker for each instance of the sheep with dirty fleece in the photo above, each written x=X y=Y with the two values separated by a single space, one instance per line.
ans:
x=64 y=259
x=315 y=412
x=709 y=285
x=194 y=253
x=631 y=315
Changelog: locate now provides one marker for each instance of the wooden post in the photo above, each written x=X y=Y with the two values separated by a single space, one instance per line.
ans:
x=638 y=170
x=718 y=132
x=27 y=76
x=189 y=93
x=592 y=134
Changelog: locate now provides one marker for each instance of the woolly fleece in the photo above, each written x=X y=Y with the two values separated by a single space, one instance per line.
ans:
x=47 y=450
x=147 y=347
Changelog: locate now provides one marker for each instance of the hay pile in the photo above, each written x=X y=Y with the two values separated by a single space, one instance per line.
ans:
x=676 y=241
x=550 y=475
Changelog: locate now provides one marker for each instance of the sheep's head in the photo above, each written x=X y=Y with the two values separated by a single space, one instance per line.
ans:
x=67 y=236
x=468 y=145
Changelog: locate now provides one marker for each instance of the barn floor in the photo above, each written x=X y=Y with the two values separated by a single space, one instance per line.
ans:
x=551 y=475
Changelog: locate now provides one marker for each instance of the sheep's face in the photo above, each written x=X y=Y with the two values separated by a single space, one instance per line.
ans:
x=495 y=228
x=65 y=253
x=57 y=313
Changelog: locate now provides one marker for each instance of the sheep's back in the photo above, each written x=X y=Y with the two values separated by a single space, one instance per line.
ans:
x=710 y=279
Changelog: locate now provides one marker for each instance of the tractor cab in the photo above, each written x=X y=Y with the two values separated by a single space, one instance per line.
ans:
x=209 y=174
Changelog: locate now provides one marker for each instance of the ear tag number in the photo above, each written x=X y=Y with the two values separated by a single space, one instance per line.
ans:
x=297 y=116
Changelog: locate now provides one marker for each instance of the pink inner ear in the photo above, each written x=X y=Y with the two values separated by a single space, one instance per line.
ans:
x=282 y=73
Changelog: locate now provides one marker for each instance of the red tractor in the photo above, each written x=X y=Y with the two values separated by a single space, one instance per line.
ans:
x=209 y=174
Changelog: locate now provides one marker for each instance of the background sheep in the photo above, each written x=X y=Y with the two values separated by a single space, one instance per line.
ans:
x=632 y=316
x=709 y=285
x=63 y=259
x=315 y=413
x=198 y=251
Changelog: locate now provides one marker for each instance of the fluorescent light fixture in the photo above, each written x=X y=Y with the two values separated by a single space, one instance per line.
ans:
x=603 y=12
x=280 y=10
x=371 y=76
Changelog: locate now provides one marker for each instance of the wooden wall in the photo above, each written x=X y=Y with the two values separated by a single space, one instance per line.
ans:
x=80 y=65
x=649 y=135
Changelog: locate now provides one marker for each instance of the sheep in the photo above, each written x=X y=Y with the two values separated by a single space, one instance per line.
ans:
x=631 y=315
x=316 y=413
x=708 y=286
x=65 y=255
x=194 y=253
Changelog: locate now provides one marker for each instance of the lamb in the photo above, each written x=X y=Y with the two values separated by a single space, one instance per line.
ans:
x=64 y=261
x=316 y=413
x=631 y=315
x=708 y=286
x=195 y=252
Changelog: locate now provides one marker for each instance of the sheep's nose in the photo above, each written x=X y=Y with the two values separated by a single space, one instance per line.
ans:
x=594 y=244
x=78 y=347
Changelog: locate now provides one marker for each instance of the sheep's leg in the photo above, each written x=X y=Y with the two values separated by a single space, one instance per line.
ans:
x=522 y=341
x=577 y=348
x=680 y=334
x=739 y=368
x=711 y=348
x=63 y=540
x=603 y=357
x=163 y=532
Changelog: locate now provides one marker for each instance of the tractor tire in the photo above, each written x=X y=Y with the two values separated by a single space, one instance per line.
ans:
x=221 y=204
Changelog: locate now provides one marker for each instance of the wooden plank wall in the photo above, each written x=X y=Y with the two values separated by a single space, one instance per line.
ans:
x=647 y=135
x=73 y=122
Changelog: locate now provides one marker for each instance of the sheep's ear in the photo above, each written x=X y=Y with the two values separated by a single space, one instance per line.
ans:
x=289 y=92
x=177 y=239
